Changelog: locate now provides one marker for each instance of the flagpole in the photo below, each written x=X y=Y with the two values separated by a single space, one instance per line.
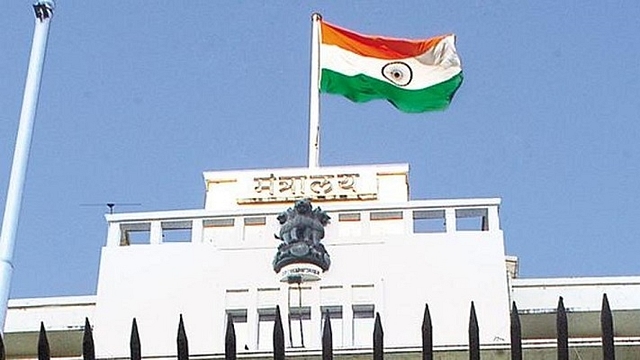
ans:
x=314 y=94
x=43 y=12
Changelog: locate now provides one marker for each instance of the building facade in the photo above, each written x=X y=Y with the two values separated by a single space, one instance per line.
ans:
x=388 y=254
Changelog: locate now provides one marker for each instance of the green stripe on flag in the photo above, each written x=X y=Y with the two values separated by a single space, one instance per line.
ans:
x=361 y=88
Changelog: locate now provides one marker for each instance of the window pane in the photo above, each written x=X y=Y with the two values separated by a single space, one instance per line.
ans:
x=363 y=325
x=240 y=326
x=300 y=326
x=335 y=316
x=471 y=220
x=428 y=221
x=266 y=321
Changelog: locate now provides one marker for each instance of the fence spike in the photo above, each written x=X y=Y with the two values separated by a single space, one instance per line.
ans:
x=3 y=353
x=606 y=323
x=562 y=331
x=327 y=338
x=474 y=335
x=230 y=340
x=88 y=348
x=378 y=339
x=278 y=337
x=43 y=344
x=182 y=342
x=427 y=335
x=134 y=343
x=516 y=334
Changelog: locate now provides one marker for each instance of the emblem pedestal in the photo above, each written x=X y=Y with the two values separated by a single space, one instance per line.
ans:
x=300 y=273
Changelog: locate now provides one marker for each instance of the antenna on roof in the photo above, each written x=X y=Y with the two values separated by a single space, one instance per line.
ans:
x=112 y=205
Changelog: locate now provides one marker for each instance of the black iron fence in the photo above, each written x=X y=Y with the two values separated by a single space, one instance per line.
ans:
x=606 y=321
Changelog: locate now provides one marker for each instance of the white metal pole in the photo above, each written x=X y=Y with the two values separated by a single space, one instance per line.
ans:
x=43 y=12
x=314 y=94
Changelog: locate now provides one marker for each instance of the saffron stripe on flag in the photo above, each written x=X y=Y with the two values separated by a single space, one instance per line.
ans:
x=376 y=46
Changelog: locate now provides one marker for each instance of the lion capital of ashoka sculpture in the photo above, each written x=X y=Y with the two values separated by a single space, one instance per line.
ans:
x=301 y=230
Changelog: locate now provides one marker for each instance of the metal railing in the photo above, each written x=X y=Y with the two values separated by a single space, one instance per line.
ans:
x=378 y=351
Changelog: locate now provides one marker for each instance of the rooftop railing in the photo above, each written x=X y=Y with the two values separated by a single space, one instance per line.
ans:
x=243 y=226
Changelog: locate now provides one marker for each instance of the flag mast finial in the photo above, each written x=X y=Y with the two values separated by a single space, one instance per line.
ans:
x=43 y=12
x=314 y=93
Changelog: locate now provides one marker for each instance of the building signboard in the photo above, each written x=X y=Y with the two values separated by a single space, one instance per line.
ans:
x=286 y=187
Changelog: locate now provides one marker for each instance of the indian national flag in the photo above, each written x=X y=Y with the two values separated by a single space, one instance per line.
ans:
x=413 y=75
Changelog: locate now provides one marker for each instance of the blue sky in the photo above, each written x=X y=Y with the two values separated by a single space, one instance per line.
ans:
x=138 y=99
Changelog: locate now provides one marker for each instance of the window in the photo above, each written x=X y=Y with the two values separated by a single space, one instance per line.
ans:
x=349 y=225
x=135 y=233
x=362 y=294
x=471 y=220
x=428 y=221
x=220 y=231
x=362 y=326
x=266 y=321
x=240 y=326
x=255 y=229
x=236 y=302
x=176 y=231
x=335 y=316
x=385 y=215
x=218 y=222
x=299 y=326
x=386 y=223
x=135 y=237
x=349 y=217
x=256 y=220
x=268 y=297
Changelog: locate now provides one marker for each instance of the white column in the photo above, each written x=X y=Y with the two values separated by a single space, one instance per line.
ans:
x=347 y=316
x=450 y=220
x=197 y=229
x=114 y=235
x=407 y=218
x=493 y=218
x=284 y=312
x=315 y=342
x=44 y=12
x=155 y=233
x=252 y=319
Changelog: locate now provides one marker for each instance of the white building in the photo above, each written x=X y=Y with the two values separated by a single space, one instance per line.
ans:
x=389 y=255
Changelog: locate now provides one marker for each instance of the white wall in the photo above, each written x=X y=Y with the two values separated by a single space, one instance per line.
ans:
x=579 y=294
x=376 y=260
x=57 y=313
x=156 y=283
